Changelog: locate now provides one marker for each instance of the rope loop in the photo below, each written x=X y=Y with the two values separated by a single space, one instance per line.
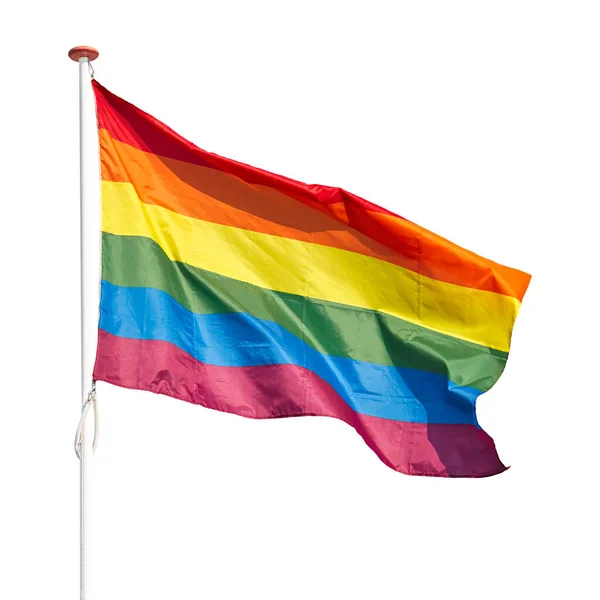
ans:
x=89 y=403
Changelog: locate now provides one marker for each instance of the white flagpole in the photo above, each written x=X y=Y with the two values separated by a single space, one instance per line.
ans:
x=90 y=269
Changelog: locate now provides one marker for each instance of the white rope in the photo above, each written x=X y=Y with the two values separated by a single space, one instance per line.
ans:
x=91 y=401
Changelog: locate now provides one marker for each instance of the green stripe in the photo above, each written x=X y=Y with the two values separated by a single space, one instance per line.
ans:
x=330 y=328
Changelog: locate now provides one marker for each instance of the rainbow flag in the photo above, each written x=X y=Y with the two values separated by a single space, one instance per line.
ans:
x=247 y=292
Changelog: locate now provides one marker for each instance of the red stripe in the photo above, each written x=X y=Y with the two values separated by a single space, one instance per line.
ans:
x=273 y=391
x=127 y=123
x=433 y=255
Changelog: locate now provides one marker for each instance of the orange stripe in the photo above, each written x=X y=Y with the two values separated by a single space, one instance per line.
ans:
x=213 y=195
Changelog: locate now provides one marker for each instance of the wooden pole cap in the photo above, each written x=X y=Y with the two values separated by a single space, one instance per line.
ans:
x=83 y=52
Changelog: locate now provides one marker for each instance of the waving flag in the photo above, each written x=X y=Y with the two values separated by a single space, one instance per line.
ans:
x=247 y=292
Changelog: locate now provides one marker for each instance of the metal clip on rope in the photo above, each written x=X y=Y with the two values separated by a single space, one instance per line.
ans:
x=90 y=402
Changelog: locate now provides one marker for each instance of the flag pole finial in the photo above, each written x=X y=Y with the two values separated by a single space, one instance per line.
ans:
x=83 y=52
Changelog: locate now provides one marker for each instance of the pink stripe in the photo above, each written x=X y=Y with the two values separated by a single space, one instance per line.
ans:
x=273 y=391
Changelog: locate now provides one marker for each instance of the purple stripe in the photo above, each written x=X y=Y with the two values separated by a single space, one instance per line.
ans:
x=274 y=391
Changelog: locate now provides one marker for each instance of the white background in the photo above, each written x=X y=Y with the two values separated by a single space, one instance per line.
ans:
x=479 y=120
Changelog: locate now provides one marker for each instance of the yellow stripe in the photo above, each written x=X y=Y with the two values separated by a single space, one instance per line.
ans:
x=306 y=269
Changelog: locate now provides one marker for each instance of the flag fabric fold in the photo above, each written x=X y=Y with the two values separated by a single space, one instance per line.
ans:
x=247 y=292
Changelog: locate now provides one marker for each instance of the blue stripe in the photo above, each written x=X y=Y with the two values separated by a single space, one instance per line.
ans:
x=239 y=339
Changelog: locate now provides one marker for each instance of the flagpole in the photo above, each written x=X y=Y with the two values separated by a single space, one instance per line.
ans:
x=90 y=264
